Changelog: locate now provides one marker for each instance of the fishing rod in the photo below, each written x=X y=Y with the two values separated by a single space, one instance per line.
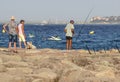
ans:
x=116 y=46
x=84 y=23
x=88 y=49
x=94 y=51
x=82 y=29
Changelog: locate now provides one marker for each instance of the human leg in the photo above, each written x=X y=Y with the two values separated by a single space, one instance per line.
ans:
x=23 y=39
x=20 y=42
x=15 y=48
x=15 y=41
x=10 y=41
x=67 y=44
x=9 y=46
x=70 y=44
x=20 y=45
x=25 y=44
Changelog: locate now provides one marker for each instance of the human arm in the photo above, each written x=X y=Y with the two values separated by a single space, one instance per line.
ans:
x=17 y=30
x=4 y=27
x=65 y=30
x=72 y=31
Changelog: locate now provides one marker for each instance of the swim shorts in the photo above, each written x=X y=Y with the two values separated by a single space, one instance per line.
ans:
x=12 y=38
x=68 y=38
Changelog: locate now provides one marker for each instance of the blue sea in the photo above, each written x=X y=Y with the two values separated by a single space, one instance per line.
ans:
x=105 y=36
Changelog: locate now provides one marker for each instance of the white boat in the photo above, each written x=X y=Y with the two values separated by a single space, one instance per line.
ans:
x=31 y=35
x=55 y=38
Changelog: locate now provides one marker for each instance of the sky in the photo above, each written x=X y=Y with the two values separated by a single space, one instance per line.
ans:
x=35 y=10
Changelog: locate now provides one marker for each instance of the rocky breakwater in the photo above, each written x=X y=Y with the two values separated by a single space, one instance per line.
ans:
x=48 y=65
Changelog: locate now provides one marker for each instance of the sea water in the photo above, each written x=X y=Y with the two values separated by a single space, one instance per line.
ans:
x=104 y=36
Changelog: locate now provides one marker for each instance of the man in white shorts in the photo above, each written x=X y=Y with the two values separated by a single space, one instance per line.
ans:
x=21 y=34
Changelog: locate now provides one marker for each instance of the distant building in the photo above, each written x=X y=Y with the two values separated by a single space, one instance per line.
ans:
x=106 y=20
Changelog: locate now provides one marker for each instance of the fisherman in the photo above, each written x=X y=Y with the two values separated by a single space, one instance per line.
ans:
x=21 y=33
x=69 y=30
x=12 y=31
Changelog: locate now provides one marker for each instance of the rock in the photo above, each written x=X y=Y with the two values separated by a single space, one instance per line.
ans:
x=106 y=73
x=44 y=76
x=82 y=61
x=6 y=58
x=4 y=77
x=19 y=71
x=11 y=64
x=32 y=51
x=116 y=60
x=70 y=64
x=77 y=76
x=2 y=68
x=48 y=65
x=37 y=80
x=33 y=58
x=1 y=61
x=18 y=79
x=53 y=64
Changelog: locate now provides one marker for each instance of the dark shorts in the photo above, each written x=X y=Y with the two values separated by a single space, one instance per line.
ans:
x=12 y=38
x=68 y=38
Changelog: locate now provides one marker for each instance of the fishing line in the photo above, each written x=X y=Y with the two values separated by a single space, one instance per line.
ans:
x=84 y=23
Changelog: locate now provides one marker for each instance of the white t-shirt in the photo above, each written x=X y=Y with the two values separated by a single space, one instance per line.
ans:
x=69 y=28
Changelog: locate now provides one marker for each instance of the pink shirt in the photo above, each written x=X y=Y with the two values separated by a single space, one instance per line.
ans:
x=20 y=29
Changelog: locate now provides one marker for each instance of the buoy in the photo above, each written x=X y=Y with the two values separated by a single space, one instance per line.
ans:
x=92 y=32
x=3 y=31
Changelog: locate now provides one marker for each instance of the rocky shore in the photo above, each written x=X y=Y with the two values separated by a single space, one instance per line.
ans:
x=51 y=65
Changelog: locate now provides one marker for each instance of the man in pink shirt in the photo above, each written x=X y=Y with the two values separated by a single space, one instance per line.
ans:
x=21 y=33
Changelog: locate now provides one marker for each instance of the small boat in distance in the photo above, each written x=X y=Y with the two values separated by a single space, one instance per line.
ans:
x=31 y=35
x=57 y=38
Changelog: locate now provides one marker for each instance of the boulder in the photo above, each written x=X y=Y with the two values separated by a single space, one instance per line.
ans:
x=1 y=61
x=4 y=77
x=6 y=58
x=37 y=80
x=19 y=71
x=46 y=75
x=106 y=73
x=2 y=68
x=77 y=76
x=11 y=64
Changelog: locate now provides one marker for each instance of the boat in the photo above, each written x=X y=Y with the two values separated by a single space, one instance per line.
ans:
x=31 y=35
x=55 y=38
